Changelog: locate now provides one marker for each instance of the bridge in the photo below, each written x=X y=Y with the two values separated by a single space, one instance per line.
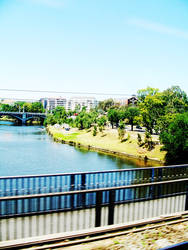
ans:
x=23 y=117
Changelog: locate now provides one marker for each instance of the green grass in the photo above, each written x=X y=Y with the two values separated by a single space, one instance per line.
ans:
x=57 y=134
x=109 y=140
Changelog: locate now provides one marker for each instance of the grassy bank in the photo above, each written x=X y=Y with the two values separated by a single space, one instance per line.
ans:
x=108 y=142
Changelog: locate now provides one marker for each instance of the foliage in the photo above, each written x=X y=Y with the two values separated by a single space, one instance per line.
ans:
x=121 y=133
x=101 y=121
x=114 y=117
x=106 y=104
x=151 y=109
x=35 y=107
x=175 y=99
x=142 y=93
x=50 y=120
x=101 y=128
x=139 y=140
x=84 y=120
x=131 y=113
x=95 y=130
x=148 y=143
x=122 y=125
x=175 y=139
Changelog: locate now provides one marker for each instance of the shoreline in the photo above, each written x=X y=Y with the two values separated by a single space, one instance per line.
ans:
x=142 y=159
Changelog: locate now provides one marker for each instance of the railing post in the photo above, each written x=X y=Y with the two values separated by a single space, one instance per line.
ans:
x=83 y=186
x=72 y=187
x=98 y=208
x=152 y=180
x=160 y=174
x=111 y=207
x=186 y=201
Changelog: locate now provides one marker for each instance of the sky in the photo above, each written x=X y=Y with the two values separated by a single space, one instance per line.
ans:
x=103 y=46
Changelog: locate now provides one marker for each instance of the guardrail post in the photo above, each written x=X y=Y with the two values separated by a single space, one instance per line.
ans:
x=98 y=208
x=111 y=207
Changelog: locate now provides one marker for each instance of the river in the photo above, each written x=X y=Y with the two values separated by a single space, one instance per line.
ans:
x=29 y=150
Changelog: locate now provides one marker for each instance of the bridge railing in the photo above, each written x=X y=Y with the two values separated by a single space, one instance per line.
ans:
x=38 y=184
x=93 y=198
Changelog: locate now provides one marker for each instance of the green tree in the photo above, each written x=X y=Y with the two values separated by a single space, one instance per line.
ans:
x=84 y=120
x=106 y=104
x=50 y=120
x=151 y=110
x=101 y=121
x=131 y=114
x=114 y=117
x=60 y=114
x=36 y=107
x=175 y=140
x=142 y=93
x=95 y=130
x=176 y=100
x=121 y=131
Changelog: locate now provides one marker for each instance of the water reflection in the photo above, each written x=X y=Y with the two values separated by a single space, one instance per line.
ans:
x=29 y=150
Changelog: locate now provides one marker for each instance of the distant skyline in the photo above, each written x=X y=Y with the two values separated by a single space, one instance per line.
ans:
x=103 y=46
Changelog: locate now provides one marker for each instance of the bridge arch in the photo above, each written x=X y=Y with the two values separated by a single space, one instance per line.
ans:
x=22 y=118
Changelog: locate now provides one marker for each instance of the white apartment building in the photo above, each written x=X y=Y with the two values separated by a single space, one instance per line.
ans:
x=52 y=102
x=88 y=102
x=69 y=104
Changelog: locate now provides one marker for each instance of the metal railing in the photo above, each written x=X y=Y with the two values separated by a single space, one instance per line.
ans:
x=93 y=198
x=39 y=184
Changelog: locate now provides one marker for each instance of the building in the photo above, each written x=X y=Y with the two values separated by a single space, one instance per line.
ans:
x=52 y=102
x=69 y=104
x=80 y=102
x=132 y=100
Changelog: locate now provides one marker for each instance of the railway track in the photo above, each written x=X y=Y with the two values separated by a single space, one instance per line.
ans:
x=61 y=240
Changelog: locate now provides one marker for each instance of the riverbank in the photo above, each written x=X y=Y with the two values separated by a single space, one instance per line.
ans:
x=107 y=142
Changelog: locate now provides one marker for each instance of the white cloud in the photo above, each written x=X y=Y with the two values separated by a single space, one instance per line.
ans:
x=49 y=3
x=157 y=27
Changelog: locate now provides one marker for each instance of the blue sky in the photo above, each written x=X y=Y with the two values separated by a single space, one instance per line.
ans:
x=111 y=46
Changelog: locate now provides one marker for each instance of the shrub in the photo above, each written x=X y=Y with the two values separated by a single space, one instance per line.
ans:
x=95 y=130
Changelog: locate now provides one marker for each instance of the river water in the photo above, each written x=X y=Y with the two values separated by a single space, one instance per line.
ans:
x=29 y=150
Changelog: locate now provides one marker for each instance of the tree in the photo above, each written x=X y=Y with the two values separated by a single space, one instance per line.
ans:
x=176 y=100
x=175 y=140
x=121 y=131
x=131 y=113
x=142 y=93
x=114 y=117
x=95 y=130
x=106 y=104
x=83 y=120
x=60 y=114
x=50 y=120
x=151 y=110
x=36 y=107
x=101 y=121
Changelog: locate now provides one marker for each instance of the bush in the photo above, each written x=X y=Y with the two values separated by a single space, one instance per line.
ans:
x=148 y=143
x=121 y=133
x=95 y=130
x=139 y=140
